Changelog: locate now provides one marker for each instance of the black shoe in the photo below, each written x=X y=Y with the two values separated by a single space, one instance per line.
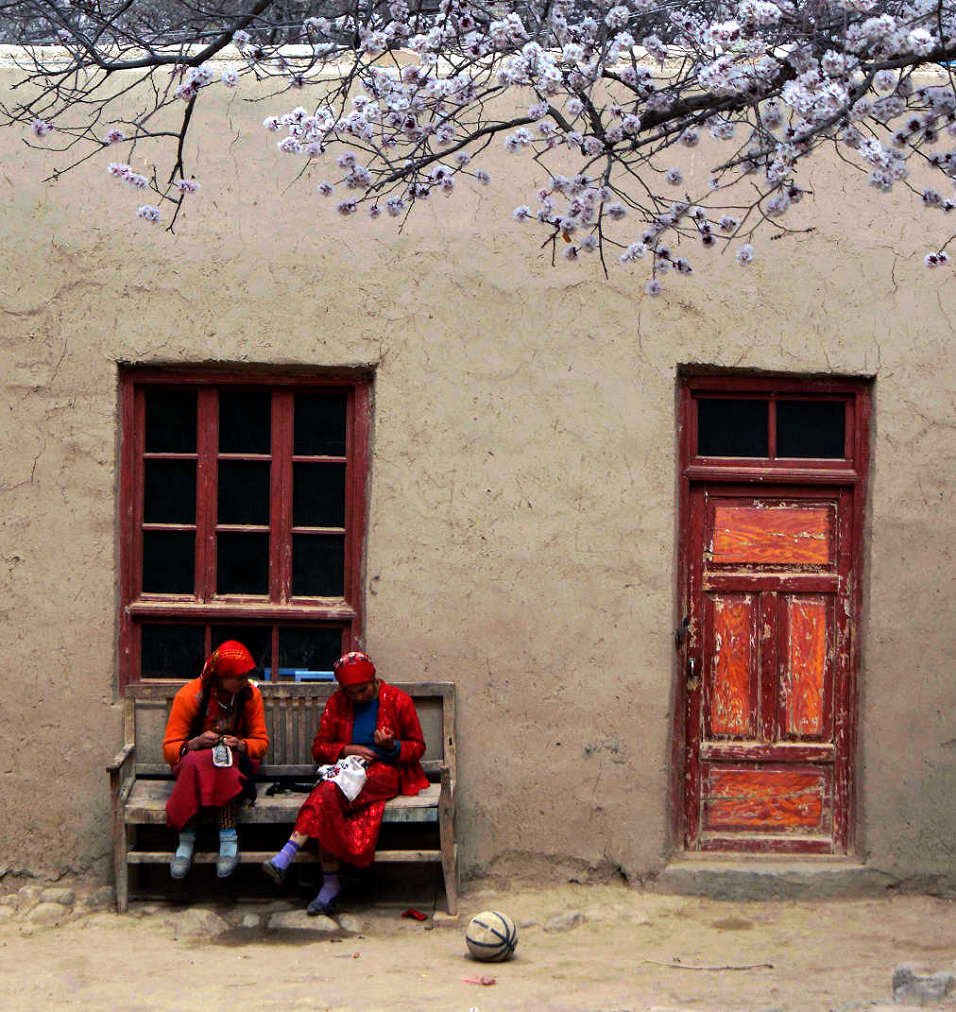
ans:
x=317 y=907
x=274 y=872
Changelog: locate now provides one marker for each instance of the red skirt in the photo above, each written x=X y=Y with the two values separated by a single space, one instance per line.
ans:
x=199 y=783
x=349 y=830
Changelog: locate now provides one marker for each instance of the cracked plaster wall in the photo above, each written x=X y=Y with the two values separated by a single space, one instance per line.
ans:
x=522 y=527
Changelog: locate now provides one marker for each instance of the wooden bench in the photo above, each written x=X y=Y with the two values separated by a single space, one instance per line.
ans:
x=140 y=782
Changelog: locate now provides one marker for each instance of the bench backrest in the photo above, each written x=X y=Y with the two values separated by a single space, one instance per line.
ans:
x=292 y=717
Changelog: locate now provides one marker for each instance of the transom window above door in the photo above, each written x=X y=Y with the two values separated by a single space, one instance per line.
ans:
x=771 y=423
x=243 y=507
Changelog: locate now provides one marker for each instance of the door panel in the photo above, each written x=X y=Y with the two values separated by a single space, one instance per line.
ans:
x=768 y=577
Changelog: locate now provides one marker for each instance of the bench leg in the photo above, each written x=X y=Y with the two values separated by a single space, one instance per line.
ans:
x=121 y=847
x=449 y=867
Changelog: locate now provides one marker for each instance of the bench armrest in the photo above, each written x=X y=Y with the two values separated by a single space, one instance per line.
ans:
x=120 y=759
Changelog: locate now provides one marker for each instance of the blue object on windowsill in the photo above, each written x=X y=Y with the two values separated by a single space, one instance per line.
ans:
x=300 y=675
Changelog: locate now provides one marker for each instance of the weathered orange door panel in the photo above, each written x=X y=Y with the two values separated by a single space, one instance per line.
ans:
x=778 y=800
x=772 y=533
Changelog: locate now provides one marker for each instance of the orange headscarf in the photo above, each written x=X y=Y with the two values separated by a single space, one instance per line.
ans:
x=229 y=658
x=354 y=668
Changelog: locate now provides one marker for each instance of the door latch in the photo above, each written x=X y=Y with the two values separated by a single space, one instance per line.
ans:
x=692 y=679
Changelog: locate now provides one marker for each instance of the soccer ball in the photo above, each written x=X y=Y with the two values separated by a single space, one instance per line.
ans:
x=491 y=936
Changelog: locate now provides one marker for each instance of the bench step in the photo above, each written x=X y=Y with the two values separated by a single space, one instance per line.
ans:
x=146 y=806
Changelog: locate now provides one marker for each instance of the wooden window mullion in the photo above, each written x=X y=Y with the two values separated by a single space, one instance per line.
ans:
x=772 y=434
x=280 y=511
x=207 y=445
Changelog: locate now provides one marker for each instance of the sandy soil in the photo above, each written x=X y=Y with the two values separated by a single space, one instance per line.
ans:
x=825 y=955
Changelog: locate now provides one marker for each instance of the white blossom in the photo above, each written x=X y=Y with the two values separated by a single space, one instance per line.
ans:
x=148 y=212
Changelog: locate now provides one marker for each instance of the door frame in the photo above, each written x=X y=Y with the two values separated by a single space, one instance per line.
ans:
x=851 y=473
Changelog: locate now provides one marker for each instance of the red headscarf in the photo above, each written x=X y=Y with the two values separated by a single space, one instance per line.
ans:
x=354 y=668
x=229 y=658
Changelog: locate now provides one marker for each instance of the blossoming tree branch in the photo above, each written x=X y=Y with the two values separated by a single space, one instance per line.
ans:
x=388 y=104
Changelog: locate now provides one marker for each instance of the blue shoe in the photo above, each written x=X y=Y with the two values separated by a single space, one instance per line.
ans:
x=226 y=864
x=180 y=865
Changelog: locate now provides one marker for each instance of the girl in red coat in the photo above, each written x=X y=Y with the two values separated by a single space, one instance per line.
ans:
x=220 y=707
x=368 y=718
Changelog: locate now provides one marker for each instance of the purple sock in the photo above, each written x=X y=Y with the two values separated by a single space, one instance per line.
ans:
x=330 y=887
x=286 y=856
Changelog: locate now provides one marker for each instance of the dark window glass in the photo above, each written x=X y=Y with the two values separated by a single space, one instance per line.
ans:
x=257 y=638
x=320 y=425
x=811 y=429
x=243 y=563
x=244 y=492
x=318 y=565
x=318 y=495
x=245 y=421
x=172 y=651
x=729 y=427
x=170 y=421
x=170 y=493
x=168 y=562
x=307 y=652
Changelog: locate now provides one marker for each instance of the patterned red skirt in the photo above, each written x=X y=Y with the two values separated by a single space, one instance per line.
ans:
x=199 y=783
x=349 y=830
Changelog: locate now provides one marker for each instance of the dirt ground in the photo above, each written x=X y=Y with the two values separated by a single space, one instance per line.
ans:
x=580 y=947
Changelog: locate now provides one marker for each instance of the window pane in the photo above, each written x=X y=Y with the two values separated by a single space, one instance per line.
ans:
x=170 y=493
x=318 y=565
x=732 y=428
x=168 y=562
x=243 y=563
x=172 y=651
x=244 y=492
x=170 y=421
x=320 y=425
x=811 y=429
x=318 y=495
x=257 y=638
x=307 y=652
x=245 y=421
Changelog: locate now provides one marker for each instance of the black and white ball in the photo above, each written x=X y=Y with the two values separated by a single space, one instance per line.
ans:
x=491 y=936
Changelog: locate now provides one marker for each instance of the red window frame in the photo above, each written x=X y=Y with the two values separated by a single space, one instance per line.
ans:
x=206 y=605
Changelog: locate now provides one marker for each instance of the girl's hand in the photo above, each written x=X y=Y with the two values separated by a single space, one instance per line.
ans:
x=362 y=751
x=385 y=738
x=236 y=744
x=208 y=739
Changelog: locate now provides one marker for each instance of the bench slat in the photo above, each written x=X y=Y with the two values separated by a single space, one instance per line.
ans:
x=146 y=806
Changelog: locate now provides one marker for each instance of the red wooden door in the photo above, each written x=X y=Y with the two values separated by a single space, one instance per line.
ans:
x=767 y=665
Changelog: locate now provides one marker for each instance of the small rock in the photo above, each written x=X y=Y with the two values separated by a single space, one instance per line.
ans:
x=65 y=897
x=48 y=913
x=565 y=922
x=4 y=868
x=351 y=924
x=300 y=920
x=98 y=898
x=27 y=897
x=919 y=988
x=250 y=921
x=528 y=922
x=197 y=921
